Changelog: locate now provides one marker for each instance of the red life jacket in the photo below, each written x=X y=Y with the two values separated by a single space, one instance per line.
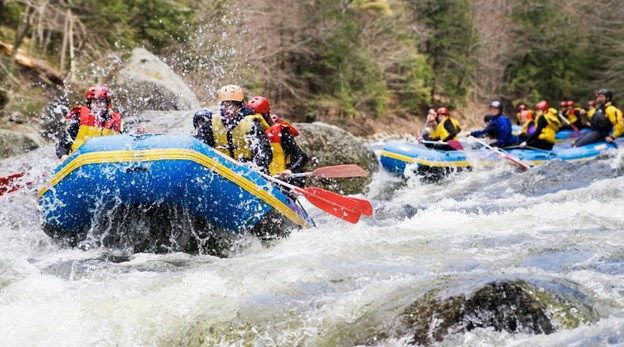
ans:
x=91 y=126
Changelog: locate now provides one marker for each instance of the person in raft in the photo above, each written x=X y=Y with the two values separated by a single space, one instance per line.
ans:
x=84 y=122
x=606 y=121
x=547 y=124
x=446 y=129
x=236 y=131
x=498 y=129
x=288 y=157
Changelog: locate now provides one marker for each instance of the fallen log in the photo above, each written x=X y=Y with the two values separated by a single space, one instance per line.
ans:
x=22 y=59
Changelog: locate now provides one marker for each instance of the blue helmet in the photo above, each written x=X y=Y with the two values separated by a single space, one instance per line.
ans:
x=201 y=115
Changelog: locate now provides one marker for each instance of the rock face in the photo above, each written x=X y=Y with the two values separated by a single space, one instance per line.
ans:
x=15 y=143
x=147 y=83
x=329 y=145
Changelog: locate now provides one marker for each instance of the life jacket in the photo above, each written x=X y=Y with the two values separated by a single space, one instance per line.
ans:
x=550 y=130
x=441 y=133
x=233 y=142
x=528 y=113
x=528 y=127
x=574 y=115
x=605 y=118
x=91 y=126
x=281 y=159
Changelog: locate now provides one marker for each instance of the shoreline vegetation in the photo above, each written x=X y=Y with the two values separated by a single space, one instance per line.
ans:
x=369 y=67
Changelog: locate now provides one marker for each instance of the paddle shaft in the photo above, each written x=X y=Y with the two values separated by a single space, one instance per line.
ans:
x=503 y=154
x=564 y=118
x=453 y=143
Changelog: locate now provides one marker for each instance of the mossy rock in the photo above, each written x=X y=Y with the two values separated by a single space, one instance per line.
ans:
x=328 y=145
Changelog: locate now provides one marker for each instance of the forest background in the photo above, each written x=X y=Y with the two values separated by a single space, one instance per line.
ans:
x=369 y=66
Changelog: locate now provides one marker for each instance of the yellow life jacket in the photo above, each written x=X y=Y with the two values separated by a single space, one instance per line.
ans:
x=240 y=147
x=281 y=159
x=554 y=123
x=572 y=118
x=91 y=127
x=441 y=133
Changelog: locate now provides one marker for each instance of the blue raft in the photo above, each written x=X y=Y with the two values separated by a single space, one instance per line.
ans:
x=560 y=136
x=395 y=157
x=190 y=192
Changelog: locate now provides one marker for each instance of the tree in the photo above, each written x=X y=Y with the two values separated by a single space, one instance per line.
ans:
x=449 y=39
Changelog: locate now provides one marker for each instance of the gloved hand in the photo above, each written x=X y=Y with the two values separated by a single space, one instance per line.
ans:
x=284 y=175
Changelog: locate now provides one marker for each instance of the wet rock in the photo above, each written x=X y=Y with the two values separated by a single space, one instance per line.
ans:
x=330 y=145
x=167 y=122
x=147 y=83
x=14 y=143
x=513 y=307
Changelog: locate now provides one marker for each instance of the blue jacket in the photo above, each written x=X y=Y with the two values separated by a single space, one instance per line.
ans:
x=500 y=129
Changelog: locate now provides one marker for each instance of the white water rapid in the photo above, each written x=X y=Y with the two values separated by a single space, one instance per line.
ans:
x=337 y=284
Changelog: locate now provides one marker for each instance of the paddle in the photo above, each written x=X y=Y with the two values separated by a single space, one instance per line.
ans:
x=345 y=208
x=453 y=143
x=365 y=206
x=337 y=171
x=502 y=154
x=11 y=183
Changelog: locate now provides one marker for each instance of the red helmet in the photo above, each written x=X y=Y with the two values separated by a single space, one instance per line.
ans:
x=591 y=103
x=569 y=103
x=563 y=104
x=442 y=110
x=542 y=106
x=259 y=105
x=99 y=92
x=521 y=107
x=275 y=118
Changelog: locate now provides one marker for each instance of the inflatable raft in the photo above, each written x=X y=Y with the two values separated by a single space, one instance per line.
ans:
x=161 y=193
x=560 y=136
x=396 y=157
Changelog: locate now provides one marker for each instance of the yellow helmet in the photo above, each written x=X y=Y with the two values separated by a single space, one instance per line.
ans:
x=230 y=93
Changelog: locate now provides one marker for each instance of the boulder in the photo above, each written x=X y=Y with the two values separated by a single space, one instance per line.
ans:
x=512 y=306
x=14 y=143
x=147 y=83
x=329 y=145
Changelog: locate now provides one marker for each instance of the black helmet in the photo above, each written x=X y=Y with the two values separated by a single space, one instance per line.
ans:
x=496 y=104
x=201 y=115
x=488 y=118
x=605 y=92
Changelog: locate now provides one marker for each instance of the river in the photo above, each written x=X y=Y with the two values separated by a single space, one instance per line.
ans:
x=337 y=284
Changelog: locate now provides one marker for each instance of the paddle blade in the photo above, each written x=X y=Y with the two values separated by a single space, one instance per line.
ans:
x=340 y=200
x=516 y=162
x=333 y=208
x=11 y=183
x=366 y=208
x=340 y=171
x=456 y=145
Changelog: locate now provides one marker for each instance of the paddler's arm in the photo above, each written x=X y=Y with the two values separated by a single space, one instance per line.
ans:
x=298 y=158
x=262 y=152
x=63 y=147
